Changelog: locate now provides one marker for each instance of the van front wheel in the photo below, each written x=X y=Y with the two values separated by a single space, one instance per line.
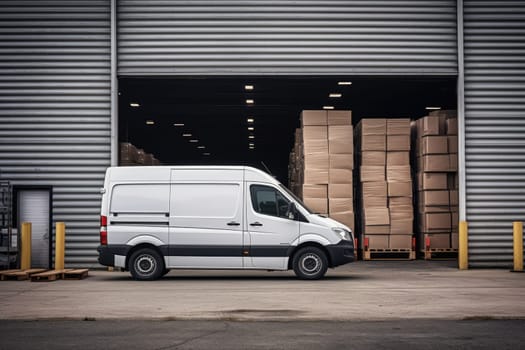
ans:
x=310 y=263
x=146 y=265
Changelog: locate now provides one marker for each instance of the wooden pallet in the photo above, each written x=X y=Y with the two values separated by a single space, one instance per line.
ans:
x=389 y=254
x=48 y=276
x=19 y=275
x=440 y=253
x=76 y=274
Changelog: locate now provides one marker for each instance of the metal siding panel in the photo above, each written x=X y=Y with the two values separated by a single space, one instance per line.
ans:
x=55 y=109
x=494 y=127
x=163 y=37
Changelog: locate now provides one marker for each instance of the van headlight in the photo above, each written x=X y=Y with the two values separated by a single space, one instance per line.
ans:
x=344 y=234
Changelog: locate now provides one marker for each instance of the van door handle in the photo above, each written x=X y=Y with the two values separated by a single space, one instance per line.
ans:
x=233 y=223
x=256 y=223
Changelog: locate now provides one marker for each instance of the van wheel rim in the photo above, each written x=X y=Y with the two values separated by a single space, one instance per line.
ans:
x=145 y=264
x=311 y=264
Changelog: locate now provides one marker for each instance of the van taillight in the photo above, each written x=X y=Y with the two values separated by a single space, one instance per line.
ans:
x=103 y=230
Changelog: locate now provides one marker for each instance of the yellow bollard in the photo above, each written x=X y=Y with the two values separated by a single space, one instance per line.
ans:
x=463 y=246
x=25 y=249
x=60 y=240
x=517 y=228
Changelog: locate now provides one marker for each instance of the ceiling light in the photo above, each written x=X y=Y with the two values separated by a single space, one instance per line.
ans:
x=178 y=124
x=251 y=136
x=150 y=122
x=194 y=140
x=206 y=153
x=335 y=95
x=251 y=144
x=248 y=87
x=251 y=128
x=250 y=120
x=250 y=101
x=201 y=147
x=134 y=104
x=186 y=135
x=344 y=83
x=328 y=107
x=432 y=108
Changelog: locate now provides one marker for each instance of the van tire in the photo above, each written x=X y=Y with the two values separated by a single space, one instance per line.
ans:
x=146 y=265
x=310 y=263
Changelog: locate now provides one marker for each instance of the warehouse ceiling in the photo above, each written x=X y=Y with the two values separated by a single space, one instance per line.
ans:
x=215 y=111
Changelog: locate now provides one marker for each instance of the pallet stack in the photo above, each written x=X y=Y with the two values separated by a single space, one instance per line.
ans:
x=133 y=156
x=385 y=185
x=436 y=147
x=322 y=164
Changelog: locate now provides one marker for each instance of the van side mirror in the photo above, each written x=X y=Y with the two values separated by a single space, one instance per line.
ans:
x=291 y=213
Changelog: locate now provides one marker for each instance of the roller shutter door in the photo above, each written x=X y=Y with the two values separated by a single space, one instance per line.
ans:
x=55 y=109
x=339 y=37
x=495 y=127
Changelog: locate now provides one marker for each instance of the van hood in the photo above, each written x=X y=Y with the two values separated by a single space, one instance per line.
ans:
x=327 y=222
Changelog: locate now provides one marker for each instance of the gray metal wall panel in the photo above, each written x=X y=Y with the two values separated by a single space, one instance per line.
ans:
x=494 y=127
x=55 y=109
x=175 y=37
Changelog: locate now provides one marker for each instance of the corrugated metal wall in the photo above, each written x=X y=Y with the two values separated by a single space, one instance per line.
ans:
x=55 y=109
x=495 y=127
x=338 y=37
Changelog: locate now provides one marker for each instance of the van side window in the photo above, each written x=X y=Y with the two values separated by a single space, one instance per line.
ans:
x=267 y=200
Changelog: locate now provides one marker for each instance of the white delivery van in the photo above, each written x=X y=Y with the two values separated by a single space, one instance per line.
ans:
x=158 y=218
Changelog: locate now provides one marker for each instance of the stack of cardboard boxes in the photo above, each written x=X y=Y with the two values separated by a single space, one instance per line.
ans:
x=323 y=160
x=132 y=156
x=437 y=148
x=385 y=183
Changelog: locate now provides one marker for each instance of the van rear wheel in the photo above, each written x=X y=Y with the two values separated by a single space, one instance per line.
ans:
x=146 y=265
x=310 y=263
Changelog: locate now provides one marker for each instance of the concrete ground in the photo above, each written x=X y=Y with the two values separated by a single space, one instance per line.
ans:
x=368 y=291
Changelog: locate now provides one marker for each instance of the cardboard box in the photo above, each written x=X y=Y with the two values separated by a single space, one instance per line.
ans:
x=346 y=218
x=316 y=161
x=339 y=117
x=455 y=220
x=376 y=216
x=377 y=230
x=374 y=202
x=398 y=158
x=340 y=139
x=429 y=125
x=375 y=157
x=454 y=240
x=434 y=197
x=309 y=117
x=373 y=142
x=432 y=181
x=438 y=240
x=317 y=205
x=312 y=146
x=373 y=126
x=315 y=191
x=452 y=144
x=374 y=189
x=377 y=241
x=315 y=133
x=453 y=162
x=340 y=190
x=453 y=197
x=398 y=173
x=372 y=173
x=316 y=176
x=399 y=201
x=337 y=205
x=398 y=143
x=434 y=163
x=433 y=145
x=400 y=189
x=402 y=212
x=400 y=226
x=452 y=126
x=340 y=176
x=453 y=181
x=341 y=161
x=433 y=208
x=400 y=241
x=398 y=126
x=435 y=222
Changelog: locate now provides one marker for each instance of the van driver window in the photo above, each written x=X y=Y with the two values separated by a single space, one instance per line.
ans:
x=267 y=200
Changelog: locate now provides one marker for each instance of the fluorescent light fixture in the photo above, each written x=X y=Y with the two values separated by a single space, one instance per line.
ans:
x=328 y=107
x=344 y=83
x=251 y=128
x=201 y=147
x=335 y=95
x=250 y=102
x=206 y=153
x=432 y=108
x=134 y=104
x=251 y=147
x=251 y=137
x=178 y=124
x=150 y=122
x=251 y=144
x=250 y=119
x=186 y=135
x=248 y=87
x=194 y=140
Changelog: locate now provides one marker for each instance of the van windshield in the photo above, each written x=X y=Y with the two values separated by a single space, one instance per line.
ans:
x=295 y=198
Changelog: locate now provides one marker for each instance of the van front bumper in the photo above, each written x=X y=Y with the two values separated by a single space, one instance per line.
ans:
x=341 y=253
x=107 y=253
